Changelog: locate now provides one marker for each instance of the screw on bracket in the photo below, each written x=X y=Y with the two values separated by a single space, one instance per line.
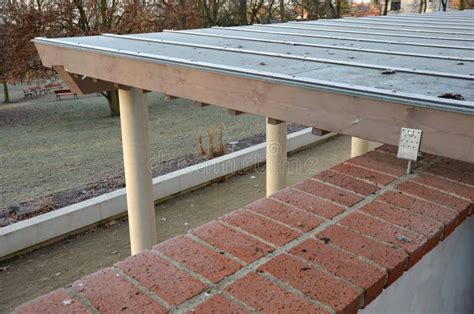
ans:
x=409 y=145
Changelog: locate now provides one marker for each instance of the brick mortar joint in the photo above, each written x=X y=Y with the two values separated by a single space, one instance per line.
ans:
x=393 y=224
x=414 y=213
x=368 y=169
x=296 y=207
x=183 y=268
x=438 y=189
x=214 y=249
x=274 y=220
x=425 y=200
x=237 y=301
x=288 y=287
x=337 y=187
x=251 y=235
x=345 y=207
x=142 y=288
x=321 y=268
x=82 y=299
x=220 y=286
x=357 y=178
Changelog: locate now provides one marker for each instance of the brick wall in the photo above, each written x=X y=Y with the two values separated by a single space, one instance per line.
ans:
x=329 y=244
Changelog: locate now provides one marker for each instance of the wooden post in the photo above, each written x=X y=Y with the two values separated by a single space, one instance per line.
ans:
x=136 y=157
x=359 y=147
x=277 y=164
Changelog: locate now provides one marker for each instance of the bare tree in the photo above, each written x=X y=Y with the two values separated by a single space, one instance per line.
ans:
x=3 y=76
x=444 y=4
x=385 y=7
x=53 y=18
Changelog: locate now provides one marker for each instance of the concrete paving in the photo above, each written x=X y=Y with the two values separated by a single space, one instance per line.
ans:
x=61 y=263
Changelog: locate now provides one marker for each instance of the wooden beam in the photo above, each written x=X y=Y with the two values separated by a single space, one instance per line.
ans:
x=83 y=85
x=274 y=121
x=200 y=104
x=233 y=112
x=445 y=133
x=319 y=132
x=124 y=87
x=169 y=97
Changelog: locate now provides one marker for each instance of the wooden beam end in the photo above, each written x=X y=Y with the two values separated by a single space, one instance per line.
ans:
x=274 y=121
x=233 y=112
x=319 y=132
x=170 y=97
x=200 y=104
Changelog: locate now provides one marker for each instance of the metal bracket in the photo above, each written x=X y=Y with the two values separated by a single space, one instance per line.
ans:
x=409 y=145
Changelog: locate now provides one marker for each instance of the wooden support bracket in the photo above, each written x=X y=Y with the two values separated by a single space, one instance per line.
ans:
x=274 y=121
x=319 y=132
x=233 y=112
x=200 y=104
x=80 y=84
x=169 y=97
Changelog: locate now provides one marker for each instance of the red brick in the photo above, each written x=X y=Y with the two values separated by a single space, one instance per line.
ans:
x=344 y=265
x=238 y=244
x=416 y=244
x=58 y=301
x=459 y=176
x=447 y=217
x=346 y=182
x=382 y=162
x=328 y=290
x=261 y=227
x=297 y=218
x=445 y=185
x=110 y=293
x=458 y=204
x=265 y=296
x=364 y=173
x=309 y=202
x=390 y=149
x=456 y=165
x=328 y=192
x=161 y=277
x=218 y=304
x=393 y=259
x=430 y=228
x=197 y=258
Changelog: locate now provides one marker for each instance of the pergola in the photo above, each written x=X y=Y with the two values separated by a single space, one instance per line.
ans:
x=365 y=77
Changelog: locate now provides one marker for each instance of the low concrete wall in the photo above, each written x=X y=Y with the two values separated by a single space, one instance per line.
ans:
x=32 y=232
x=442 y=282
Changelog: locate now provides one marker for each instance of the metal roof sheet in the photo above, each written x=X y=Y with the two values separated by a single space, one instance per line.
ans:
x=430 y=55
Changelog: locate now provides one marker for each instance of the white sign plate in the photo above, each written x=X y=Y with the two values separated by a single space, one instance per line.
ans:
x=409 y=144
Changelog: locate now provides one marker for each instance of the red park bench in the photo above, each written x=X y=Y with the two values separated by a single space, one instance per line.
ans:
x=37 y=90
x=64 y=92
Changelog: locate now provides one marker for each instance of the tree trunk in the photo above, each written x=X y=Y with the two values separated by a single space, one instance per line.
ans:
x=282 y=10
x=338 y=8
x=461 y=5
x=385 y=8
x=331 y=9
x=243 y=12
x=444 y=3
x=6 y=96
x=113 y=100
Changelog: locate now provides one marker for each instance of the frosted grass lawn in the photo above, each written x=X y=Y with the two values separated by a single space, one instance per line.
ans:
x=47 y=146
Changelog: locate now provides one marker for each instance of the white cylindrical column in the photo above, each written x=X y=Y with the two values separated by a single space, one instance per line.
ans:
x=277 y=164
x=359 y=147
x=136 y=157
